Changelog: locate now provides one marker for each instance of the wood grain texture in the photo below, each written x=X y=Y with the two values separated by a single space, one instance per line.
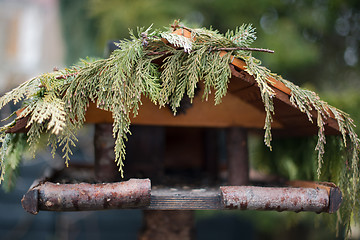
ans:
x=231 y=112
x=178 y=199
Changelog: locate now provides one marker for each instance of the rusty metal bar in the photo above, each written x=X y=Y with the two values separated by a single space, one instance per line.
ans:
x=274 y=198
x=134 y=193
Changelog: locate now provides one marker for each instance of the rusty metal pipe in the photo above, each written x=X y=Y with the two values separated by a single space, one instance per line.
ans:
x=271 y=198
x=134 y=193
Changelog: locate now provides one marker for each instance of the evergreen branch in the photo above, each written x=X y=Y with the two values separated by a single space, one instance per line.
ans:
x=320 y=143
x=4 y=140
x=194 y=70
x=262 y=75
x=176 y=25
x=178 y=41
x=13 y=146
x=222 y=74
x=33 y=137
x=25 y=90
x=243 y=49
x=243 y=36
x=169 y=77
x=65 y=76
x=220 y=49
x=158 y=53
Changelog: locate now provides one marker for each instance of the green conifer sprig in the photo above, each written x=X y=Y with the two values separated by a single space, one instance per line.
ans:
x=307 y=101
x=178 y=41
x=243 y=36
x=13 y=146
x=262 y=75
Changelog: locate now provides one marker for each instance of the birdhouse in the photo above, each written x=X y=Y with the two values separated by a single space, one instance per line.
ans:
x=188 y=150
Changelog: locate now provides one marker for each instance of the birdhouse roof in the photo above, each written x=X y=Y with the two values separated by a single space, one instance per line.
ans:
x=242 y=106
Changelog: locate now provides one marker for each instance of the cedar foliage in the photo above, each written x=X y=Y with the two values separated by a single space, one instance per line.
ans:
x=56 y=102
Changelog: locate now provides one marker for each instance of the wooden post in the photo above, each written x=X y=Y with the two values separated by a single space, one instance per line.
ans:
x=168 y=224
x=162 y=224
x=212 y=153
x=238 y=156
x=105 y=166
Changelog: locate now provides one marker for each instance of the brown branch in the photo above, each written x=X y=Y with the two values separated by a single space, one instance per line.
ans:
x=158 y=53
x=134 y=193
x=244 y=49
x=65 y=76
x=220 y=49
x=177 y=26
x=275 y=198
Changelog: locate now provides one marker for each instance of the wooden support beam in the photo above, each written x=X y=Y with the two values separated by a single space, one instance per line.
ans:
x=164 y=225
x=238 y=156
x=105 y=166
x=212 y=151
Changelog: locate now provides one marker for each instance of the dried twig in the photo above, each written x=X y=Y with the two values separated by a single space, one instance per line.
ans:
x=65 y=76
x=158 y=53
x=244 y=49
x=176 y=26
